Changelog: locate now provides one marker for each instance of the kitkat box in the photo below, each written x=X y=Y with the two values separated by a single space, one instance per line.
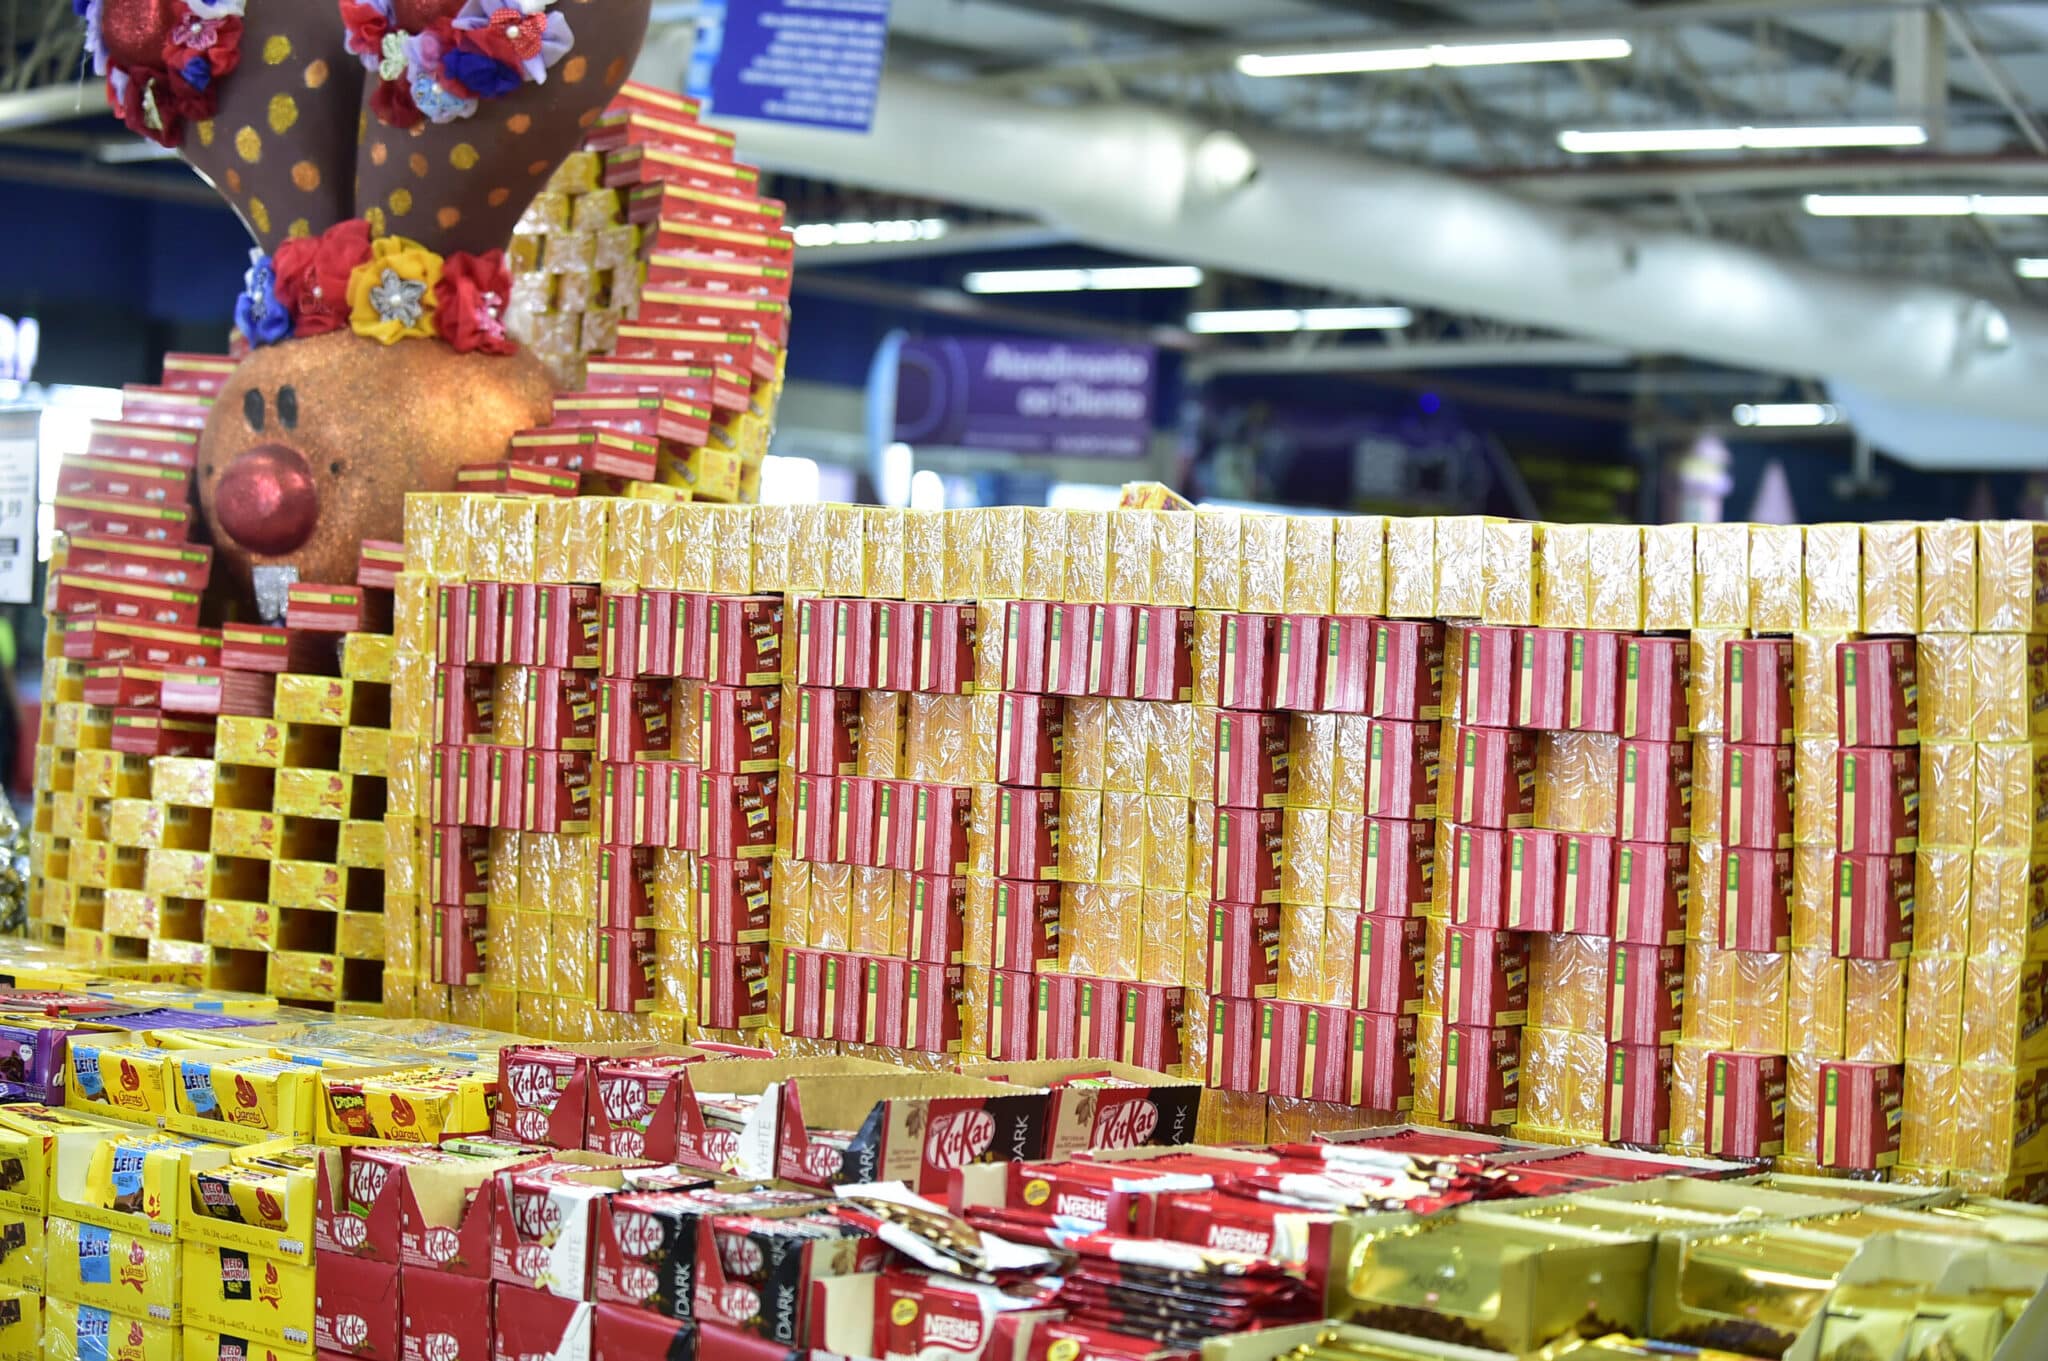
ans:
x=647 y=1242
x=356 y=1308
x=902 y=1126
x=1099 y=1104
x=527 y=1325
x=679 y=1130
x=545 y=1091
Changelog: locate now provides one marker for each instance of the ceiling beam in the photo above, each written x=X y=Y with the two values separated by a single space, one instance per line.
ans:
x=949 y=303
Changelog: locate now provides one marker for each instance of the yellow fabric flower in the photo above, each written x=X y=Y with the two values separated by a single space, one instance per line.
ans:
x=391 y=295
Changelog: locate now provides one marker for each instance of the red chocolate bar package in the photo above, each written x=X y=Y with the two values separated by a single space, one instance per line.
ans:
x=1757 y=691
x=1390 y=962
x=1655 y=674
x=1494 y=781
x=1874 y=906
x=1407 y=670
x=1656 y=791
x=1756 y=903
x=1878 y=692
x=1400 y=867
x=1487 y=977
x=1535 y=889
x=1745 y=1105
x=1251 y=758
x=1593 y=685
x=1877 y=800
x=1862 y=1107
x=1401 y=769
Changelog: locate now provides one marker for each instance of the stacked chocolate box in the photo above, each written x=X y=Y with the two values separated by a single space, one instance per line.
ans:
x=654 y=279
x=882 y=814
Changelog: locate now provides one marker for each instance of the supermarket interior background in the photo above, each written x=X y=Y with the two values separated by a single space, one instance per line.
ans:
x=660 y=694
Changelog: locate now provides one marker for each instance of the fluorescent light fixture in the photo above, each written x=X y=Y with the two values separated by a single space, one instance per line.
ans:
x=1596 y=142
x=815 y=234
x=1787 y=414
x=1285 y=320
x=1436 y=54
x=1927 y=205
x=1116 y=278
x=2033 y=267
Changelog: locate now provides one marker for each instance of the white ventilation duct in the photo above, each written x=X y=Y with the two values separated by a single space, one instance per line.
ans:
x=1141 y=180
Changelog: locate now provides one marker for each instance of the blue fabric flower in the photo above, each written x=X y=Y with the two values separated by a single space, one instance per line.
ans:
x=198 y=73
x=488 y=77
x=258 y=313
x=437 y=102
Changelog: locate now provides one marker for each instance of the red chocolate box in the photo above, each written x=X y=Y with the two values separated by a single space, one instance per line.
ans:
x=1283 y=1029
x=446 y=1318
x=1153 y=1018
x=732 y=984
x=1651 y=883
x=1400 y=867
x=1028 y=833
x=1874 y=906
x=1382 y=1061
x=1250 y=661
x=1251 y=759
x=1162 y=661
x=1026 y=626
x=1593 y=683
x=945 y=648
x=1638 y=1094
x=1347 y=664
x=1029 y=739
x=1877 y=800
x=1479 y=876
x=1248 y=845
x=1656 y=791
x=1490 y=695
x=1655 y=675
x=1401 y=770
x=740 y=727
x=1862 y=1108
x=355 y=1307
x=1487 y=977
x=1298 y=662
x=888 y=1008
x=1757 y=691
x=1756 y=904
x=1482 y=1079
x=827 y=730
x=621 y=1333
x=1390 y=953
x=744 y=640
x=938 y=910
x=736 y=816
x=1069 y=629
x=934 y=1020
x=625 y=971
x=1111 y=651
x=1646 y=999
x=1244 y=949
x=1535 y=889
x=731 y=901
x=1012 y=1036
x=1878 y=692
x=634 y=720
x=1543 y=656
x=1494 y=782
x=1027 y=923
x=1745 y=1105
x=1756 y=797
x=843 y=998
x=894 y=1126
x=1235 y=1051
x=648 y=1243
x=755 y=1273
x=1588 y=884
x=1407 y=669
x=533 y=1325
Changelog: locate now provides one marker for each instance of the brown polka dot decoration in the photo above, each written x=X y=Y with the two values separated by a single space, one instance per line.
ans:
x=485 y=167
x=281 y=151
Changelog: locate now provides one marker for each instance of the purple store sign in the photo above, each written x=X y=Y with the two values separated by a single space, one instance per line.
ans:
x=1027 y=397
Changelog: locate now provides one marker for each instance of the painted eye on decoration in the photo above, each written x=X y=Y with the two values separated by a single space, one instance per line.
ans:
x=252 y=409
x=288 y=406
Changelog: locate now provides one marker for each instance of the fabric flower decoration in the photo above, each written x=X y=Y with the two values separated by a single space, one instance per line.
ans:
x=393 y=294
x=313 y=274
x=393 y=104
x=95 y=41
x=436 y=101
x=471 y=303
x=258 y=313
x=364 y=25
x=218 y=9
x=532 y=40
x=215 y=44
x=479 y=74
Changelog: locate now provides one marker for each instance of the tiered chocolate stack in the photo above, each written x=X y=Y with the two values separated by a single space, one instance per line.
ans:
x=654 y=280
x=208 y=798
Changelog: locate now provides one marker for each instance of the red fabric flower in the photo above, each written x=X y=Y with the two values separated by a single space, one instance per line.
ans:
x=313 y=273
x=510 y=37
x=222 y=52
x=365 y=26
x=392 y=102
x=470 y=303
x=174 y=102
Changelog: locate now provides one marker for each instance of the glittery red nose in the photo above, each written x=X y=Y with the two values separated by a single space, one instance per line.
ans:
x=267 y=501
